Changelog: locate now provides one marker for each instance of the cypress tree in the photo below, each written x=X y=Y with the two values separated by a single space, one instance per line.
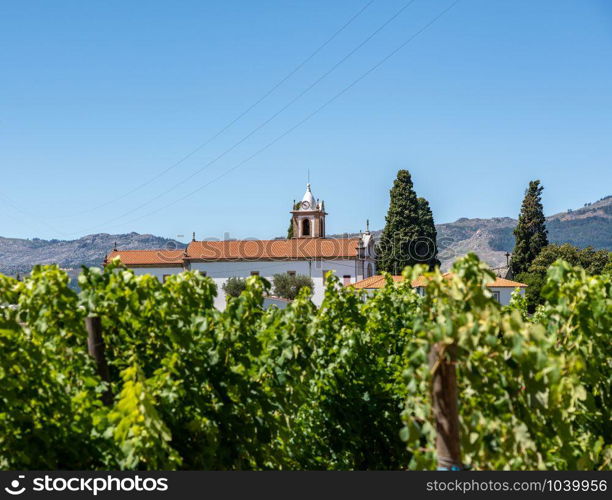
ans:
x=409 y=235
x=530 y=234
x=290 y=230
x=296 y=205
x=427 y=246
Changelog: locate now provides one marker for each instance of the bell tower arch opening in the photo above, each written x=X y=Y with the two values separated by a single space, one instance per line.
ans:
x=308 y=217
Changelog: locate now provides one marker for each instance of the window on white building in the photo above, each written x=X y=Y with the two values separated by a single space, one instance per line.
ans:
x=165 y=277
x=291 y=273
x=496 y=296
x=346 y=279
x=254 y=273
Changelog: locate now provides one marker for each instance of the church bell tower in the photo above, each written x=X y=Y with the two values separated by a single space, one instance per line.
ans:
x=309 y=217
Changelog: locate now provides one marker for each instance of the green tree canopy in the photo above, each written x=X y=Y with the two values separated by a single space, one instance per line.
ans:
x=409 y=236
x=591 y=260
x=288 y=286
x=530 y=233
x=302 y=387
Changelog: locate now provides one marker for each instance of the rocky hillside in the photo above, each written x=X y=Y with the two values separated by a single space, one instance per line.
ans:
x=19 y=255
x=489 y=238
x=590 y=225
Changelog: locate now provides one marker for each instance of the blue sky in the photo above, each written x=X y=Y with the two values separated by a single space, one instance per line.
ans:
x=97 y=98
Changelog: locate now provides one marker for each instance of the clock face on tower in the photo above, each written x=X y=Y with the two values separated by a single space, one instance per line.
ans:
x=305 y=205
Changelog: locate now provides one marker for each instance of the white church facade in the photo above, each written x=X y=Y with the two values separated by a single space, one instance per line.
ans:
x=308 y=252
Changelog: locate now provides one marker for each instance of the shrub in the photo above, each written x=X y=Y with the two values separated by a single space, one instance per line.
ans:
x=234 y=286
x=288 y=286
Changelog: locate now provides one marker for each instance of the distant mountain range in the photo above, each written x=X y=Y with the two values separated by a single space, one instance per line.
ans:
x=490 y=239
x=19 y=255
x=590 y=225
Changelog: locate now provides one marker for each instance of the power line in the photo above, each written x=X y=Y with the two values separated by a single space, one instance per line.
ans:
x=272 y=117
x=305 y=119
x=36 y=219
x=237 y=118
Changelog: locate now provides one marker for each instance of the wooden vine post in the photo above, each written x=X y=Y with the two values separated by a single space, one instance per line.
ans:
x=445 y=407
x=95 y=347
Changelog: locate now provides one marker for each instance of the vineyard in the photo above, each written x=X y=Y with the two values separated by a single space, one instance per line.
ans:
x=344 y=386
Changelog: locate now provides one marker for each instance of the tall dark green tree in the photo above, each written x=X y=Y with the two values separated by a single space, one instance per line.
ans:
x=427 y=245
x=296 y=205
x=409 y=236
x=530 y=235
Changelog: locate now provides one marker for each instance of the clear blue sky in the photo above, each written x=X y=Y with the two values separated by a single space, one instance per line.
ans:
x=98 y=97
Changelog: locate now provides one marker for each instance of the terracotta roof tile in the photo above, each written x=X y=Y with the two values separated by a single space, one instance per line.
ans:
x=378 y=281
x=148 y=257
x=504 y=283
x=297 y=248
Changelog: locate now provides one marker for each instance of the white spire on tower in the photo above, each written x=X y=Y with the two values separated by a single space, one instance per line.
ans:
x=308 y=201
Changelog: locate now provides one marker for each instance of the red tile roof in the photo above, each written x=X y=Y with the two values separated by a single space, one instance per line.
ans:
x=378 y=281
x=296 y=248
x=292 y=249
x=160 y=258
x=504 y=283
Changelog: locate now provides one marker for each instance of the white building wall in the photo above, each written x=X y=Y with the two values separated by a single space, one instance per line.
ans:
x=222 y=270
x=158 y=272
x=354 y=270
x=505 y=294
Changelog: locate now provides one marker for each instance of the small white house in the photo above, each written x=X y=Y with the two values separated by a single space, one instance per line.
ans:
x=501 y=288
x=308 y=252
